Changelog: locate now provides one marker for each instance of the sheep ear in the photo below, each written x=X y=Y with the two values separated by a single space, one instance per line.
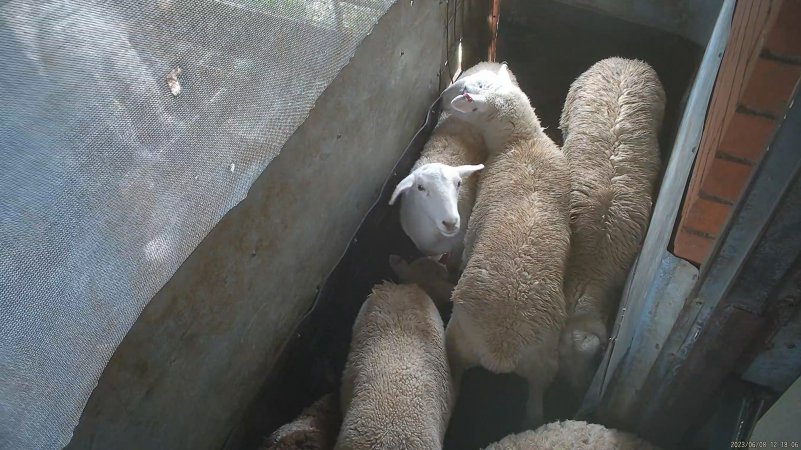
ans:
x=468 y=170
x=503 y=73
x=402 y=187
x=452 y=91
x=468 y=103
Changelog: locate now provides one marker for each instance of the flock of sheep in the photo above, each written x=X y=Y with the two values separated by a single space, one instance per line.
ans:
x=539 y=240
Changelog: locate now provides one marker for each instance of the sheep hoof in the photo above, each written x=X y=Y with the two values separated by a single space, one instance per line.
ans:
x=533 y=419
x=580 y=348
x=586 y=344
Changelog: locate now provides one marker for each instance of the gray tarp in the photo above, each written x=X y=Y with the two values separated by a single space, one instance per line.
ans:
x=108 y=181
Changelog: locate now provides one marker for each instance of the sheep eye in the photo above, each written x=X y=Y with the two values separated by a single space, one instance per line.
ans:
x=459 y=183
x=420 y=187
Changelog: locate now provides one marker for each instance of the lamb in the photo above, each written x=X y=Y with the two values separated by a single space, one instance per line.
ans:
x=508 y=306
x=396 y=387
x=610 y=123
x=429 y=274
x=572 y=434
x=435 y=213
x=315 y=428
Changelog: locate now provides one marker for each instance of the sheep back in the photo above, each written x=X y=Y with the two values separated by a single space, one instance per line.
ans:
x=510 y=293
x=455 y=142
x=396 y=386
x=610 y=124
x=576 y=435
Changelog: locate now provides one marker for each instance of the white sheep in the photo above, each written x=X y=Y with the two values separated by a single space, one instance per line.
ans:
x=427 y=273
x=430 y=213
x=439 y=192
x=396 y=387
x=571 y=434
x=508 y=306
x=315 y=428
x=610 y=124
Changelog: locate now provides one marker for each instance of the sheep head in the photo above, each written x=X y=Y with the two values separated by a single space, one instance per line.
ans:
x=432 y=193
x=483 y=92
x=418 y=271
x=495 y=105
x=427 y=273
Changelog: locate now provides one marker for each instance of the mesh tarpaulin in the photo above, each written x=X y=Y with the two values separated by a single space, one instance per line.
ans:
x=108 y=180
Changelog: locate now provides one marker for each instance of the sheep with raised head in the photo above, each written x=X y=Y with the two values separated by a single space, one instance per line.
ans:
x=439 y=192
x=396 y=387
x=508 y=306
x=572 y=434
x=315 y=428
x=610 y=123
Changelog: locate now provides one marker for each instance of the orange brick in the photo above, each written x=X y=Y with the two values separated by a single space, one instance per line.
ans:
x=747 y=136
x=725 y=179
x=784 y=39
x=692 y=247
x=706 y=216
x=770 y=87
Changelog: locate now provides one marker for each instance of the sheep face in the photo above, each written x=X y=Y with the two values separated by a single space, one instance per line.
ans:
x=474 y=97
x=432 y=194
x=483 y=75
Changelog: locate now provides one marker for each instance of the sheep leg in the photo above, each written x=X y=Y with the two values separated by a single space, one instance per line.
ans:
x=539 y=368
x=460 y=355
x=534 y=412
x=581 y=343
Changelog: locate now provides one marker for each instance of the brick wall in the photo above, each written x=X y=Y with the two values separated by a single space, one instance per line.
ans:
x=758 y=75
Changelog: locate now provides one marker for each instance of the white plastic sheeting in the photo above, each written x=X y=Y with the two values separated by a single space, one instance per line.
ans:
x=108 y=180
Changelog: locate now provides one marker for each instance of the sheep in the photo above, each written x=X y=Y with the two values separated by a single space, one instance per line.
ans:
x=576 y=435
x=508 y=306
x=396 y=387
x=435 y=213
x=430 y=275
x=315 y=428
x=610 y=123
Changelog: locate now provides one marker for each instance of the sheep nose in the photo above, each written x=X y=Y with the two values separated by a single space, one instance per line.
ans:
x=450 y=225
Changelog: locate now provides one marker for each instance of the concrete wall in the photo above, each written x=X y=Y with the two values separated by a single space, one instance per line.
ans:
x=203 y=345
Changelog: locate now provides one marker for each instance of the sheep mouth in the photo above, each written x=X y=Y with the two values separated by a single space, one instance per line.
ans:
x=447 y=233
